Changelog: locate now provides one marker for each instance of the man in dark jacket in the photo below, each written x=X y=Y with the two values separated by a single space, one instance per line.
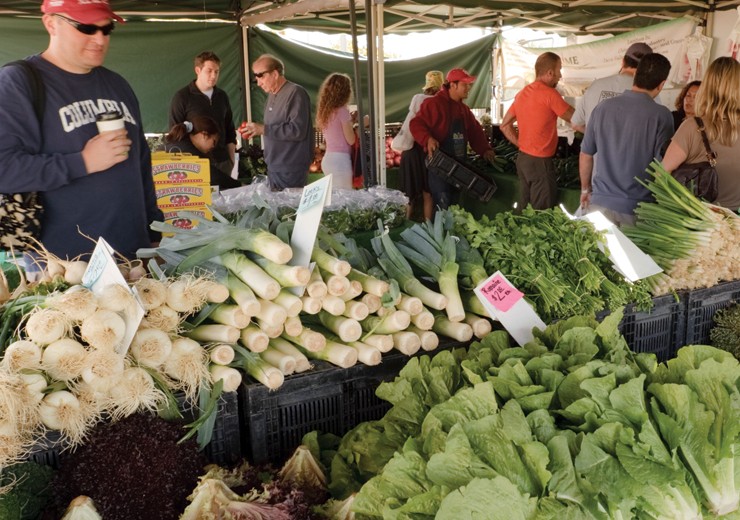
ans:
x=444 y=121
x=203 y=98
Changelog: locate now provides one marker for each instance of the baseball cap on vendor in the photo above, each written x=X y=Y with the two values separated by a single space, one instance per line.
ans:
x=83 y=11
x=459 y=75
x=637 y=50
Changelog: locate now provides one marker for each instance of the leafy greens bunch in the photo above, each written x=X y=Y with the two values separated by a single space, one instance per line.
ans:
x=555 y=261
x=571 y=425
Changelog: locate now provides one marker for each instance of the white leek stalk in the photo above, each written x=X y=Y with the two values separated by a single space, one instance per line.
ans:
x=346 y=328
x=316 y=287
x=354 y=291
x=285 y=275
x=302 y=363
x=272 y=330
x=372 y=301
x=333 y=305
x=231 y=377
x=370 y=284
x=311 y=305
x=229 y=314
x=251 y=274
x=271 y=312
x=335 y=285
x=394 y=322
x=308 y=339
x=481 y=326
x=429 y=339
x=356 y=310
x=293 y=326
x=290 y=302
x=243 y=295
x=406 y=342
x=410 y=304
x=220 y=353
x=424 y=320
x=456 y=330
x=335 y=353
x=366 y=354
x=277 y=358
x=329 y=263
x=383 y=342
x=208 y=332
x=254 y=338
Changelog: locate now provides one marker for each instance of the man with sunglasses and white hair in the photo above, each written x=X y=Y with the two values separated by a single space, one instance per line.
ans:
x=91 y=184
x=287 y=131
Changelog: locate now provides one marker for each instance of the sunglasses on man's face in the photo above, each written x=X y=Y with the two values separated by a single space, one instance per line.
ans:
x=258 y=75
x=88 y=28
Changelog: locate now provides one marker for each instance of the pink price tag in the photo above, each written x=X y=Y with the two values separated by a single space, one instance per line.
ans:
x=500 y=293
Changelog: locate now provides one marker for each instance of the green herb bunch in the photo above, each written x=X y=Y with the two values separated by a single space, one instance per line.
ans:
x=556 y=262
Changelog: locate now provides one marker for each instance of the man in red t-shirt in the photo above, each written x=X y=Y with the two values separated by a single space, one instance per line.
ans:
x=537 y=108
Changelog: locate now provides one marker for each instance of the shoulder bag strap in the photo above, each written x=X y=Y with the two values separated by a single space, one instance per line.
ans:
x=711 y=155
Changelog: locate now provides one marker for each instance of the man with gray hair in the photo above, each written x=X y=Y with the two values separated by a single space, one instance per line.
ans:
x=610 y=86
x=287 y=131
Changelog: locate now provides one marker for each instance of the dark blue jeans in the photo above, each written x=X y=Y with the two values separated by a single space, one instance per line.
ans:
x=444 y=195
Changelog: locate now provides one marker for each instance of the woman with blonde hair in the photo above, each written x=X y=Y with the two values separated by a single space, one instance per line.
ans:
x=718 y=106
x=335 y=122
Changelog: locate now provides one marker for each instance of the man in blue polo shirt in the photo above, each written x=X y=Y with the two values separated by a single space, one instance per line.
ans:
x=627 y=131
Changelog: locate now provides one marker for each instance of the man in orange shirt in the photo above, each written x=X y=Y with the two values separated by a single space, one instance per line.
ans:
x=537 y=108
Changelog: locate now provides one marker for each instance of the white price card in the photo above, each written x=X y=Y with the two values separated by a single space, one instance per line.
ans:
x=506 y=303
x=315 y=196
x=102 y=271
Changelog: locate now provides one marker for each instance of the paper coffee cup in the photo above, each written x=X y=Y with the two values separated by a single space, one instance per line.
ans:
x=109 y=121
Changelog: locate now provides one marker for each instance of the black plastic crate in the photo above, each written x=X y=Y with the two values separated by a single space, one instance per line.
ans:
x=703 y=304
x=328 y=399
x=661 y=330
x=225 y=445
x=224 y=448
x=461 y=176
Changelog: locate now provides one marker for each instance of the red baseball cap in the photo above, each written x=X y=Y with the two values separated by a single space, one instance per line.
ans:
x=83 y=11
x=459 y=75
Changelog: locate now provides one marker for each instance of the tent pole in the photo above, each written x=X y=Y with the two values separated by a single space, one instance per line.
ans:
x=378 y=29
x=371 y=57
x=358 y=93
x=247 y=90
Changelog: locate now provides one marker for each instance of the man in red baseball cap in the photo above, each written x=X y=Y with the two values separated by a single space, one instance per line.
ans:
x=445 y=122
x=92 y=184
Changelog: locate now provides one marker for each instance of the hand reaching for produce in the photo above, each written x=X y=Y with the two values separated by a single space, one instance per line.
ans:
x=105 y=150
x=585 y=198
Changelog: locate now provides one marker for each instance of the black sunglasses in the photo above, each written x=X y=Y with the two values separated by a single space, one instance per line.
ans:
x=260 y=74
x=88 y=28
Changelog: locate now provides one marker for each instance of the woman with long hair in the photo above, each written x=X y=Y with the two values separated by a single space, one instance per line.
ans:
x=685 y=103
x=199 y=137
x=335 y=122
x=718 y=106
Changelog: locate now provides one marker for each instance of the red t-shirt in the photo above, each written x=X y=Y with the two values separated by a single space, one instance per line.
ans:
x=537 y=108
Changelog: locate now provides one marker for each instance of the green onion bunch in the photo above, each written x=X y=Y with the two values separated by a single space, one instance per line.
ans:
x=695 y=243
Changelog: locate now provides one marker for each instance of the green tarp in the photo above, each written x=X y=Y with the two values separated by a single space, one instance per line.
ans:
x=157 y=59
x=403 y=78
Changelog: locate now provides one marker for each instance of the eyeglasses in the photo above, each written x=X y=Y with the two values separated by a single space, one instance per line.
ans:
x=88 y=28
x=259 y=75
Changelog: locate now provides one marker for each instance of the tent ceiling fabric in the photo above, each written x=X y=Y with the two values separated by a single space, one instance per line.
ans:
x=400 y=16
x=564 y=17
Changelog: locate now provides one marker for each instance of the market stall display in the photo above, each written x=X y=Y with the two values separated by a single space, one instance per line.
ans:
x=346 y=352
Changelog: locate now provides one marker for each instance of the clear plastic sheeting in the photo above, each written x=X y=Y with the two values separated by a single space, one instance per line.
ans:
x=349 y=211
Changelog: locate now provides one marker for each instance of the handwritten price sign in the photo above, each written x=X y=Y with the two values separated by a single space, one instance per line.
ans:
x=500 y=294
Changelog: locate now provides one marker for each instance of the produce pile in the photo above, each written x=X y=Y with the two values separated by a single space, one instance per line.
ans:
x=556 y=262
x=63 y=365
x=571 y=425
x=725 y=334
x=696 y=243
x=345 y=315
